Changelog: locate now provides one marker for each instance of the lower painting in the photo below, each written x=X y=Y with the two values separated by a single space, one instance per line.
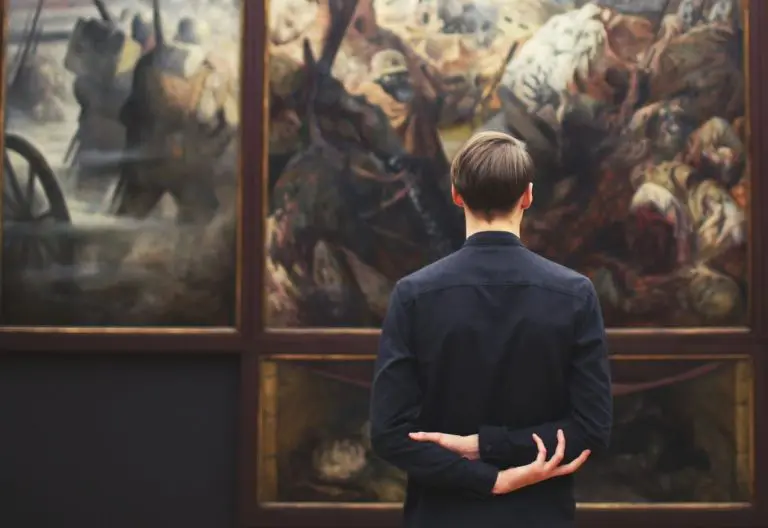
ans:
x=682 y=434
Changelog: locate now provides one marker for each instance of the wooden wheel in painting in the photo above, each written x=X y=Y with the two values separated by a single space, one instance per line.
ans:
x=34 y=210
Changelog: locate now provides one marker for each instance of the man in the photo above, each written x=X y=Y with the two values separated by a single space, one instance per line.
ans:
x=490 y=359
x=143 y=31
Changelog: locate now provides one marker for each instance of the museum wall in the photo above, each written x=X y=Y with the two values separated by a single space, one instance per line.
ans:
x=117 y=441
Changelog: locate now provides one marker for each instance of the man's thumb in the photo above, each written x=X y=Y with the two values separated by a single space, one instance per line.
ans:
x=420 y=436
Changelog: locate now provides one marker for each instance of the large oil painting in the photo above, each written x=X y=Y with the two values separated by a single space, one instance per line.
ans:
x=634 y=112
x=120 y=163
x=682 y=434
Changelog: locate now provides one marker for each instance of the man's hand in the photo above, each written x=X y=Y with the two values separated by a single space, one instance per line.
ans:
x=540 y=469
x=466 y=446
x=517 y=477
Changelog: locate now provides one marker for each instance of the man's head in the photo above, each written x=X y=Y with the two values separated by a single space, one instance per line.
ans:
x=492 y=177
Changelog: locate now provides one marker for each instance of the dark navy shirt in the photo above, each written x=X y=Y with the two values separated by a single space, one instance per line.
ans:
x=497 y=341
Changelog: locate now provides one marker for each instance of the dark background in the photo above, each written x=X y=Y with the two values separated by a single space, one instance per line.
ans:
x=118 y=441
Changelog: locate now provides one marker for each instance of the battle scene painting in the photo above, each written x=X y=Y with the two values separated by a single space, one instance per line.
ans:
x=120 y=163
x=681 y=435
x=634 y=112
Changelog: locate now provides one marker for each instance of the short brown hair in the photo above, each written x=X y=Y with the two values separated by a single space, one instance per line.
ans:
x=491 y=172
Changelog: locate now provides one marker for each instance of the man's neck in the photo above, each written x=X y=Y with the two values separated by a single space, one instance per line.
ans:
x=510 y=224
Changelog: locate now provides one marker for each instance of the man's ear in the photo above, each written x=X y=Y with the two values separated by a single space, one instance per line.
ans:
x=526 y=200
x=456 y=197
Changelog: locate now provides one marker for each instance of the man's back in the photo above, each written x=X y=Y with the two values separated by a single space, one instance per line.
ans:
x=492 y=329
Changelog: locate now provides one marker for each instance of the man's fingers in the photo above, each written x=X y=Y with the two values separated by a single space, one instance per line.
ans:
x=426 y=437
x=554 y=462
x=541 y=456
x=573 y=466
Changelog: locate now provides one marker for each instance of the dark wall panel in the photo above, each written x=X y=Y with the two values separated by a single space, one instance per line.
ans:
x=113 y=442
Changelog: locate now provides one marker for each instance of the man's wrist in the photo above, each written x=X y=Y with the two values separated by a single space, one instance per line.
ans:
x=473 y=452
x=500 y=488
x=511 y=479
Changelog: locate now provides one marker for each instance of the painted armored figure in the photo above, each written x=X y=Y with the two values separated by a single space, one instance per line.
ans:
x=180 y=119
x=102 y=54
x=102 y=57
x=412 y=109
x=389 y=70
x=192 y=31
x=142 y=31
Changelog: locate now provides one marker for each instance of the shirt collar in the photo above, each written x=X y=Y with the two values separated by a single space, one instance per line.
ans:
x=493 y=238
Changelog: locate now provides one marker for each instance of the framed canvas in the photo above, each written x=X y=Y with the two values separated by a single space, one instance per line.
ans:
x=682 y=436
x=642 y=181
x=641 y=118
x=122 y=175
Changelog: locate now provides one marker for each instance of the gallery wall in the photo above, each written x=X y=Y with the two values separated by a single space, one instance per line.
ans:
x=118 y=441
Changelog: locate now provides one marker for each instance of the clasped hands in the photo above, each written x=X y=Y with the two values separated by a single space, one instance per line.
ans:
x=515 y=477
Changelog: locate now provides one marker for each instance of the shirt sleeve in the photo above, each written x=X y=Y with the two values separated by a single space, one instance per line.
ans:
x=588 y=426
x=395 y=408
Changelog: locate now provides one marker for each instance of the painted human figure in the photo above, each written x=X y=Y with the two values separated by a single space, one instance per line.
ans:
x=722 y=12
x=412 y=110
x=690 y=13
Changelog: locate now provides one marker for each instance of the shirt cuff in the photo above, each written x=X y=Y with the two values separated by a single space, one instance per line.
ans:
x=490 y=442
x=481 y=477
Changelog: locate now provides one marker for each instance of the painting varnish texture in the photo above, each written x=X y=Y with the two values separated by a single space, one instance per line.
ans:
x=683 y=437
x=120 y=163
x=633 y=110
